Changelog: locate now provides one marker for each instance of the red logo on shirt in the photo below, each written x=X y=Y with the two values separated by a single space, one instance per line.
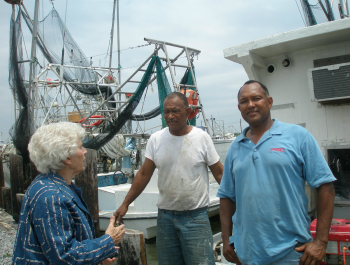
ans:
x=278 y=149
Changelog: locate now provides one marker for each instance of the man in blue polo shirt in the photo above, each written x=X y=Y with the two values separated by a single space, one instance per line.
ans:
x=262 y=192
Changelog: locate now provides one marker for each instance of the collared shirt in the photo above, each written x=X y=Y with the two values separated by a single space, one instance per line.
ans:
x=267 y=182
x=55 y=226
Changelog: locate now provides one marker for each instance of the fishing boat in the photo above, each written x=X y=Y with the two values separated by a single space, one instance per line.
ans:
x=218 y=139
x=142 y=213
x=75 y=90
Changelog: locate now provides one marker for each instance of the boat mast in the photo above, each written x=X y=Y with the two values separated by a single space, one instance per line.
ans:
x=212 y=124
x=118 y=33
x=119 y=67
x=115 y=3
x=14 y=93
x=32 y=74
x=111 y=46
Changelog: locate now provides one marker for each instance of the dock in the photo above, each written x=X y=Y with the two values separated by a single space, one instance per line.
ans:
x=8 y=229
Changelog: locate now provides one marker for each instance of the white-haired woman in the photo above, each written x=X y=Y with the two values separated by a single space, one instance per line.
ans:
x=55 y=226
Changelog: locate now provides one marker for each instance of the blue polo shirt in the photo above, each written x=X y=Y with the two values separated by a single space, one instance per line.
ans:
x=267 y=182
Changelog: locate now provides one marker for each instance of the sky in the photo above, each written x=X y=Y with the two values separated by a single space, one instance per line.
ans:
x=206 y=25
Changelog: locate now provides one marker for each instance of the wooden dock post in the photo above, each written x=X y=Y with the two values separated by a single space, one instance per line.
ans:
x=33 y=171
x=16 y=179
x=132 y=249
x=19 y=199
x=88 y=183
x=2 y=180
x=6 y=199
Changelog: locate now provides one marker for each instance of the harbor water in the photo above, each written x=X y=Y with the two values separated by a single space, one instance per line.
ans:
x=151 y=250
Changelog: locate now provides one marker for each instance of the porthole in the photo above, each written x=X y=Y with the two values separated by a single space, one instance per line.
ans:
x=270 y=68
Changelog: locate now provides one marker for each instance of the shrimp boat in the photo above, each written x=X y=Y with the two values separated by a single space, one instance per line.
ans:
x=68 y=87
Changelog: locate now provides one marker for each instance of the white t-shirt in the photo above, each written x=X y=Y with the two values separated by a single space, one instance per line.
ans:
x=182 y=163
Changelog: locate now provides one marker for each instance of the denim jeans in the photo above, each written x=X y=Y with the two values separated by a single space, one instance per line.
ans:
x=184 y=238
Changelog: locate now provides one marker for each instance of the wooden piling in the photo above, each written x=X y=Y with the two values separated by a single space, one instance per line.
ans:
x=16 y=179
x=33 y=171
x=88 y=183
x=19 y=200
x=132 y=249
x=2 y=180
x=6 y=199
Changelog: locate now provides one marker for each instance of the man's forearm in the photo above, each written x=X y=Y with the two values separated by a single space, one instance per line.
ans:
x=217 y=170
x=227 y=209
x=325 y=205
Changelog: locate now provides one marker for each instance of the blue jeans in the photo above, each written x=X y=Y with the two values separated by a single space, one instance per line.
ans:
x=184 y=238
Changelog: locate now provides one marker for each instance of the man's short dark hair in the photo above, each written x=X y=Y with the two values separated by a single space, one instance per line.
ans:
x=179 y=95
x=254 y=81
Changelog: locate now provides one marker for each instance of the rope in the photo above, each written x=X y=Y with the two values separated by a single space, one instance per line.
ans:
x=153 y=128
x=217 y=251
x=107 y=53
x=177 y=86
x=144 y=98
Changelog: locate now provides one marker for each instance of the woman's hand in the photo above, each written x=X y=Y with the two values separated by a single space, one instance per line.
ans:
x=116 y=233
x=109 y=261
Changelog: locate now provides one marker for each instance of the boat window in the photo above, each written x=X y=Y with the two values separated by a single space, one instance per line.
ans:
x=339 y=163
x=270 y=68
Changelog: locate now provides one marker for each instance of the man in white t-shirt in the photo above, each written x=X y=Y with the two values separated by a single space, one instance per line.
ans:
x=182 y=154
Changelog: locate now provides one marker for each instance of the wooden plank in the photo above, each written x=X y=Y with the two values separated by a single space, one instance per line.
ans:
x=143 y=250
x=16 y=180
x=6 y=199
x=88 y=183
x=19 y=199
x=2 y=180
x=132 y=249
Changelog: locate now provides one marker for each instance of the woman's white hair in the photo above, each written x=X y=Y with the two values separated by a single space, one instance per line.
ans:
x=51 y=144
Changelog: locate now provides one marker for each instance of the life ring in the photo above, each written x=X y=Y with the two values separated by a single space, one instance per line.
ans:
x=92 y=124
x=192 y=99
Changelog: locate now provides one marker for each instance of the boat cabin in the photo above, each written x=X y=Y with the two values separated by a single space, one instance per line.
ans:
x=307 y=72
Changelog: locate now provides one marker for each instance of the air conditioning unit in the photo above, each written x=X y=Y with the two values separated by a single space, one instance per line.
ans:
x=330 y=83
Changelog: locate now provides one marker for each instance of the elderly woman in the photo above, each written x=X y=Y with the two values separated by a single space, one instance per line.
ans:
x=55 y=226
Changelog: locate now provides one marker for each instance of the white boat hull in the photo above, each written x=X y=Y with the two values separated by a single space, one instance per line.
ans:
x=222 y=141
x=142 y=213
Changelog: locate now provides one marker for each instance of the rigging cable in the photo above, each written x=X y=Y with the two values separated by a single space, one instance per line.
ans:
x=134 y=47
x=300 y=13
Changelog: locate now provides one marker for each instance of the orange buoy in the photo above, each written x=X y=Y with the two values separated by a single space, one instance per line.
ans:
x=109 y=79
x=192 y=99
